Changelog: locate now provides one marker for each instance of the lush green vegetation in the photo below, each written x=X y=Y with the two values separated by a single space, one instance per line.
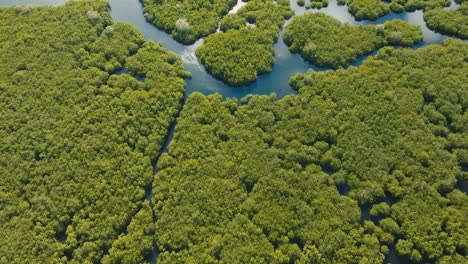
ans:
x=247 y=184
x=231 y=189
x=232 y=21
x=413 y=5
x=373 y=9
x=451 y=22
x=241 y=53
x=410 y=127
x=368 y=9
x=237 y=56
x=317 y=4
x=400 y=33
x=85 y=106
x=187 y=20
x=325 y=41
x=77 y=140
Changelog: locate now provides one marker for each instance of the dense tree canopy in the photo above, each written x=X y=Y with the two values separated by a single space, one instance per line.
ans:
x=260 y=182
x=400 y=33
x=242 y=52
x=405 y=139
x=368 y=9
x=187 y=20
x=230 y=189
x=360 y=162
x=232 y=21
x=76 y=139
x=237 y=56
x=451 y=22
x=373 y=9
x=412 y=5
x=317 y=4
x=325 y=41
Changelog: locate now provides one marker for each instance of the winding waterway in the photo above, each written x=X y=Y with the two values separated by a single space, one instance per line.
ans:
x=286 y=64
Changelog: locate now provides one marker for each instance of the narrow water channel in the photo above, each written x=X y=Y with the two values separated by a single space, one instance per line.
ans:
x=286 y=65
x=149 y=189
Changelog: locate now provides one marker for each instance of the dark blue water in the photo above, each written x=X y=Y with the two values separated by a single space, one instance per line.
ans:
x=286 y=64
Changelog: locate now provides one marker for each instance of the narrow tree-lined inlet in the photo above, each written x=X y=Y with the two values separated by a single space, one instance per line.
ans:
x=233 y=132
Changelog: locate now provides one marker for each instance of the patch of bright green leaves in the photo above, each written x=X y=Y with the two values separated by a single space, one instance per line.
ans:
x=327 y=42
x=373 y=9
x=451 y=22
x=246 y=183
x=187 y=20
x=243 y=51
x=76 y=139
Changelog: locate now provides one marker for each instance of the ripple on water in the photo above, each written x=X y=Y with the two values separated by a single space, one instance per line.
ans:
x=189 y=57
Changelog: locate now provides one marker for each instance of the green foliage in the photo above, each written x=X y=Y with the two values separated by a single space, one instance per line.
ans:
x=374 y=9
x=266 y=14
x=412 y=5
x=327 y=42
x=232 y=21
x=253 y=172
x=404 y=99
x=390 y=226
x=432 y=224
x=242 y=182
x=401 y=33
x=396 y=8
x=110 y=50
x=77 y=140
x=382 y=209
x=451 y=22
x=186 y=20
x=238 y=55
x=148 y=61
x=404 y=247
x=368 y=9
x=317 y=4
x=232 y=188
x=244 y=242
x=137 y=245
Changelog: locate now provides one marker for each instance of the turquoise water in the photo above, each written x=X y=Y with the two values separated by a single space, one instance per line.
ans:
x=286 y=64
